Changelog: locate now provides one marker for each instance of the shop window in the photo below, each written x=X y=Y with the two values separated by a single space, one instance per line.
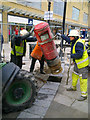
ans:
x=58 y=7
x=35 y=5
x=30 y=3
x=85 y=17
x=75 y=13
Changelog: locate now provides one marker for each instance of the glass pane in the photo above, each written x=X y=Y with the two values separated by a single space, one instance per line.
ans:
x=85 y=17
x=58 y=7
x=75 y=14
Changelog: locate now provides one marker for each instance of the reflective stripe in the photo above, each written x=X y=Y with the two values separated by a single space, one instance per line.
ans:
x=19 y=53
x=80 y=75
x=85 y=49
x=75 y=73
x=84 y=95
x=84 y=92
x=82 y=61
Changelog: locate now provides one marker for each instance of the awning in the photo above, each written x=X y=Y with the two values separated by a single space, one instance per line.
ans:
x=4 y=8
x=26 y=13
x=75 y=24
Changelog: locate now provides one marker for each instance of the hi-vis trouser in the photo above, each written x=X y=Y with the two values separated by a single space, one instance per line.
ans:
x=81 y=74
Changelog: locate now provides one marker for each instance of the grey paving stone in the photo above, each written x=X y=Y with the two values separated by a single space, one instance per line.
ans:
x=51 y=85
x=37 y=110
x=28 y=115
x=61 y=89
x=62 y=99
x=81 y=106
x=42 y=103
x=42 y=96
x=57 y=110
x=72 y=94
x=47 y=91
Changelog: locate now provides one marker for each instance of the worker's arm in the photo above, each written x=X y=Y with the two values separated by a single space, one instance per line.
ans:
x=31 y=39
x=66 y=38
x=79 y=49
x=24 y=37
x=28 y=34
x=18 y=39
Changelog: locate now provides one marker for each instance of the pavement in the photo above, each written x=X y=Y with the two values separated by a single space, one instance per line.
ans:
x=53 y=101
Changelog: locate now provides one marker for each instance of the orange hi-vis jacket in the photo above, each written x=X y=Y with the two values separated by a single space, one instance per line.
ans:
x=37 y=52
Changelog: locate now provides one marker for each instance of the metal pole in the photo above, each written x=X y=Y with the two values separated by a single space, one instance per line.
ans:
x=64 y=15
x=63 y=26
x=49 y=5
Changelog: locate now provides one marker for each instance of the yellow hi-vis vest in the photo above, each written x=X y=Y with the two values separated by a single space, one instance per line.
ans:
x=89 y=45
x=18 y=49
x=84 y=61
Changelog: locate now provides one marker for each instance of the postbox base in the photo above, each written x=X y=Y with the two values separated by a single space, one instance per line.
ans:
x=56 y=69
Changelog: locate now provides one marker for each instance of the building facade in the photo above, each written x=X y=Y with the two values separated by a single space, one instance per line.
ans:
x=17 y=14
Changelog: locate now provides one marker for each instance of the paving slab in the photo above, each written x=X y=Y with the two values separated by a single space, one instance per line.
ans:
x=72 y=94
x=47 y=91
x=57 y=110
x=51 y=86
x=42 y=103
x=37 y=110
x=81 y=106
x=24 y=115
x=42 y=96
x=62 y=99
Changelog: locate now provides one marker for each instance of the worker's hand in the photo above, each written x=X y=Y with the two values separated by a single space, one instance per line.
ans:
x=58 y=34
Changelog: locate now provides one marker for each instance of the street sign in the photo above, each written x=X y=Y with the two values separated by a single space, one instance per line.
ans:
x=30 y=22
x=48 y=15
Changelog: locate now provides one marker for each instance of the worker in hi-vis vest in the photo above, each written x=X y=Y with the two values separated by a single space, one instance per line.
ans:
x=18 y=45
x=81 y=62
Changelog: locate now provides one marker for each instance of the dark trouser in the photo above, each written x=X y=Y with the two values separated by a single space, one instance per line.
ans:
x=16 y=60
x=33 y=64
x=82 y=71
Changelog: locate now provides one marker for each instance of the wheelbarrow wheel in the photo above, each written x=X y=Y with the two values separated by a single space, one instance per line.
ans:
x=20 y=94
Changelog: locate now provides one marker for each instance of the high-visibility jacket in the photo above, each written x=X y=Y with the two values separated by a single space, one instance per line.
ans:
x=37 y=52
x=83 y=61
x=89 y=45
x=19 y=50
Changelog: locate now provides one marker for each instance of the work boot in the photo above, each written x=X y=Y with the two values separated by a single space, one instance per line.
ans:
x=31 y=71
x=42 y=72
x=82 y=98
x=23 y=63
x=71 y=89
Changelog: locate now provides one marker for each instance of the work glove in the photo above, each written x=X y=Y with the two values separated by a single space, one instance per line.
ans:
x=58 y=34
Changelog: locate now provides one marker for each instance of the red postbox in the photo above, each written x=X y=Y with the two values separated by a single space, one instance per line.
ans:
x=44 y=36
